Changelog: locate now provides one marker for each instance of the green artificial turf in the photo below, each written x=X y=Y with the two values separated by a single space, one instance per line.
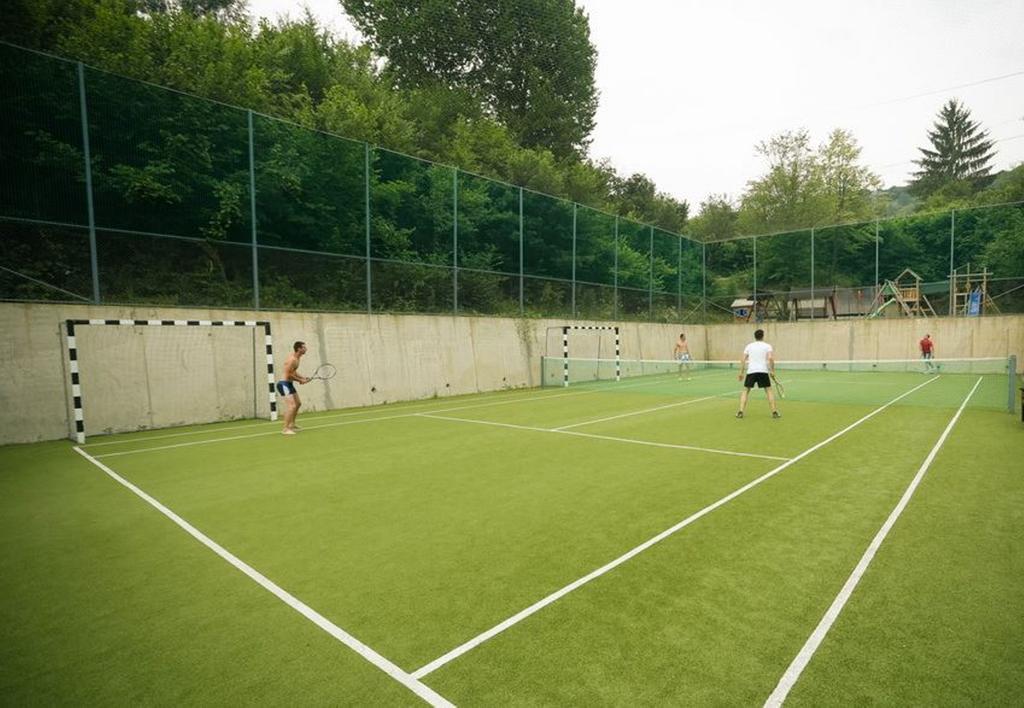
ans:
x=415 y=534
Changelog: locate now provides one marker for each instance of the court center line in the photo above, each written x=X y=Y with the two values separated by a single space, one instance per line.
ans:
x=352 y=422
x=646 y=410
x=576 y=433
x=803 y=657
x=544 y=602
x=392 y=670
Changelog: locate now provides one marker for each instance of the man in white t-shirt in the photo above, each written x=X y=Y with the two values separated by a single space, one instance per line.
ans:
x=757 y=369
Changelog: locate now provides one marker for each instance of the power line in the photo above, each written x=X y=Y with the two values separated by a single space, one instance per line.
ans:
x=944 y=90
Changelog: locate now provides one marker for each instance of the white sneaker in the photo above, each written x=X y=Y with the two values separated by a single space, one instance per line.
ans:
x=288 y=431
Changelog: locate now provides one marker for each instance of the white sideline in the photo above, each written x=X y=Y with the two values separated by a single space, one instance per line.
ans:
x=803 y=657
x=602 y=437
x=414 y=685
x=646 y=410
x=544 y=602
x=334 y=425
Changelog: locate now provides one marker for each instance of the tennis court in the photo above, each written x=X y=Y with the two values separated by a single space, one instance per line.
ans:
x=609 y=542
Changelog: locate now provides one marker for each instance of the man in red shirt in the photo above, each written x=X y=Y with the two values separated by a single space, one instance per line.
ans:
x=927 y=352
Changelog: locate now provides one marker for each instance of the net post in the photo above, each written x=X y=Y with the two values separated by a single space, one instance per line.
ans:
x=91 y=211
x=565 y=357
x=1011 y=378
x=366 y=205
x=252 y=216
x=76 y=383
x=617 y=360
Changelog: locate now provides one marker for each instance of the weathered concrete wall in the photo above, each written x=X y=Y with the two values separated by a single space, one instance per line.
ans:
x=142 y=377
x=876 y=339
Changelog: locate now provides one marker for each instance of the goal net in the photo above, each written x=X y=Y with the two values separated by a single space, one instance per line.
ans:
x=129 y=375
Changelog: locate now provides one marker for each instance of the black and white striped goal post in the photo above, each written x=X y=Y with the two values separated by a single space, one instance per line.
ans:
x=565 y=348
x=76 y=380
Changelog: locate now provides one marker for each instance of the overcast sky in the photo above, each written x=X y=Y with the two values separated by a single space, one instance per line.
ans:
x=689 y=87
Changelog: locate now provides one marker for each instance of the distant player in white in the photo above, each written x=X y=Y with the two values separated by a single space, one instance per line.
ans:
x=757 y=369
x=682 y=355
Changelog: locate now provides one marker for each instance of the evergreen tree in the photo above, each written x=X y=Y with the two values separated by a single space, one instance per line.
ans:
x=960 y=151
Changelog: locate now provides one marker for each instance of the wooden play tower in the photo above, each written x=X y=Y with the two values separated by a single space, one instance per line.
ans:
x=902 y=295
x=968 y=292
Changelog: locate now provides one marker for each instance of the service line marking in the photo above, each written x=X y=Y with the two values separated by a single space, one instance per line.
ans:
x=803 y=657
x=344 y=422
x=576 y=433
x=476 y=641
x=385 y=665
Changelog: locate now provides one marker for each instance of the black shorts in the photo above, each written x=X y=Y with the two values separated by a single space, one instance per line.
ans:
x=760 y=379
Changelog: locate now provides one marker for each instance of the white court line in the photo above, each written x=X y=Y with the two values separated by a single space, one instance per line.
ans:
x=603 y=437
x=803 y=657
x=361 y=411
x=544 y=602
x=345 y=422
x=646 y=410
x=413 y=684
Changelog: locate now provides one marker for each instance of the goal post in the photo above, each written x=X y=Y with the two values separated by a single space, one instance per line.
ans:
x=74 y=332
x=566 y=329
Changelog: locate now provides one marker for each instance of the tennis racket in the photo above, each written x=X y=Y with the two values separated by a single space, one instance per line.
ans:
x=778 y=387
x=324 y=372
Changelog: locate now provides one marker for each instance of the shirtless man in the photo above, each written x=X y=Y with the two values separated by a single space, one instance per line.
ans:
x=286 y=387
x=681 y=353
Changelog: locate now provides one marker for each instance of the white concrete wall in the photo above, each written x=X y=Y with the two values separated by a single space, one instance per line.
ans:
x=143 y=377
x=135 y=380
x=998 y=336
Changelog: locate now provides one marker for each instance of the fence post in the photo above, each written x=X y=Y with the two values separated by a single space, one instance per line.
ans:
x=704 y=280
x=650 y=277
x=522 y=302
x=615 y=274
x=876 y=252
x=252 y=217
x=755 y=278
x=679 y=279
x=93 y=257
x=574 y=260
x=952 y=266
x=366 y=204
x=455 y=241
x=812 y=272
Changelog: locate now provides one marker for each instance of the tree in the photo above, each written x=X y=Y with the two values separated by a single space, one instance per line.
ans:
x=530 y=62
x=792 y=192
x=960 y=151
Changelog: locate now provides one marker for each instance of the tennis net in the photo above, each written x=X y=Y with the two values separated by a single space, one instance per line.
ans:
x=858 y=381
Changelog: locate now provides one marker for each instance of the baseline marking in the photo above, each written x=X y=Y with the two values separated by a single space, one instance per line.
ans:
x=544 y=602
x=414 y=685
x=803 y=657
x=603 y=437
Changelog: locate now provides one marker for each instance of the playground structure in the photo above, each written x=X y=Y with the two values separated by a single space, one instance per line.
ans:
x=968 y=292
x=903 y=296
